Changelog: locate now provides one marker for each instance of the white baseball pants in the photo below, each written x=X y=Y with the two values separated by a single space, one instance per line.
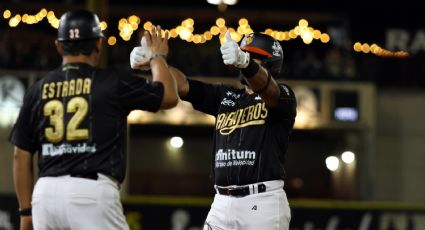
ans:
x=268 y=210
x=77 y=204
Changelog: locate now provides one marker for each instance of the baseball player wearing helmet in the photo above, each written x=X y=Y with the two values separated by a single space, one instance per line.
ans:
x=251 y=136
x=76 y=119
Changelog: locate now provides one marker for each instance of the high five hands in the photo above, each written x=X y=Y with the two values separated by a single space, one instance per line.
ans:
x=151 y=45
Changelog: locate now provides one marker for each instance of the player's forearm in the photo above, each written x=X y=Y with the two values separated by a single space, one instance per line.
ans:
x=161 y=73
x=23 y=177
x=269 y=89
x=181 y=80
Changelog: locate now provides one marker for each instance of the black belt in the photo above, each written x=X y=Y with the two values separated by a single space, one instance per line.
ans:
x=91 y=176
x=241 y=191
x=94 y=176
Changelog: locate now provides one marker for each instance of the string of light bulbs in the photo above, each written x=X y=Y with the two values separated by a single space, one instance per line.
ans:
x=185 y=31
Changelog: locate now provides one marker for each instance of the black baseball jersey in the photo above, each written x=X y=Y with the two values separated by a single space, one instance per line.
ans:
x=76 y=119
x=250 y=139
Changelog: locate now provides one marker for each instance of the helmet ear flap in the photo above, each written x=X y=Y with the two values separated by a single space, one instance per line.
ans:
x=269 y=67
x=273 y=65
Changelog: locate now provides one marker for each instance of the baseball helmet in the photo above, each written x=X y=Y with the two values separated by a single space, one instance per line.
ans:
x=265 y=48
x=79 y=25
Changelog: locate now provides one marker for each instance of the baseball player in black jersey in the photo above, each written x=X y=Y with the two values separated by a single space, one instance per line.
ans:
x=75 y=118
x=252 y=129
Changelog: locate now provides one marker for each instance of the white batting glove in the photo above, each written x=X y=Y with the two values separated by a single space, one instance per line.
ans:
x=232 y=54
x=140 y=55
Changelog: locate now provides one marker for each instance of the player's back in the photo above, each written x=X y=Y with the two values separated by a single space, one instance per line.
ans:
x=80 y=125
x=76 y=119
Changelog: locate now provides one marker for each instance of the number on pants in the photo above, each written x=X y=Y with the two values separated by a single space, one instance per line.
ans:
x=55 y=110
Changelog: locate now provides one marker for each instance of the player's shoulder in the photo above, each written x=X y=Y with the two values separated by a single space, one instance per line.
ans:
x=50 y=76
x=227 y=88
x=230 y=91
x=207 y=84
x=233 y=89
x=286 y=90
x=284 y=85
x=32 y=93
x=116 y=73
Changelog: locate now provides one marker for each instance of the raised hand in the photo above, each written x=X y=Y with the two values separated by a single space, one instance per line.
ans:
x=157 y=44
x=151 y=46
x=140 y=56
x=232 y=54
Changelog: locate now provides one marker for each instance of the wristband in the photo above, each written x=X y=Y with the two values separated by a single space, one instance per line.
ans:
x=269 y=77
x=154 y=55
x=251 y=69
x=25 y=212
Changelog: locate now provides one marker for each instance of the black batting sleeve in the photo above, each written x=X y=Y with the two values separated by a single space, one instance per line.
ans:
x=204 y=97
x=138 y=93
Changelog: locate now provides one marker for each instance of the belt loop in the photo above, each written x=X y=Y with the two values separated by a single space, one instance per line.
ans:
x=261 y=188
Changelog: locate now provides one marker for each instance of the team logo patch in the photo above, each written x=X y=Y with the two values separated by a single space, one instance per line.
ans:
x=248 y=40
x=276 y=49
x=231 y=94
x=228 y=102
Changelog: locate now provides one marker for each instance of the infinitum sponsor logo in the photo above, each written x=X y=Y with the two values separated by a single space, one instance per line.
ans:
x=231 y=157
x=52 y=150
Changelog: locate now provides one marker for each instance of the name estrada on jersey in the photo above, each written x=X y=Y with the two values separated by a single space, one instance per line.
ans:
x=73 y=87
x=76 y=119
x=250 y=139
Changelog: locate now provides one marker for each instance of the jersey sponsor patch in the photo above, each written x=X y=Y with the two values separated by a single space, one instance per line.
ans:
x=231 y=157
x=57 y=150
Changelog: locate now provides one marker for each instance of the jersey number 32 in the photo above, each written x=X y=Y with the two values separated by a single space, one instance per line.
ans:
x=55 y=110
